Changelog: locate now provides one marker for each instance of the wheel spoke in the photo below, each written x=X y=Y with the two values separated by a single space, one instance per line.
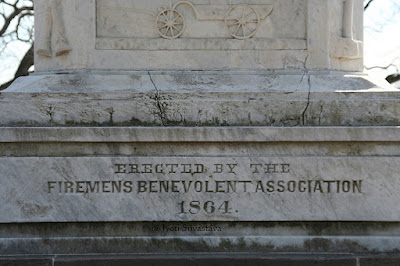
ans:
x=242 y=30
x=176 y=18
x=165 y=16
x=172 y=32
x=170 y=24
x=251 y=13
x=237 y=29
x=244 y=33
x=247 y=23
x=250 y=29
x=176 y=29
x=234 y=24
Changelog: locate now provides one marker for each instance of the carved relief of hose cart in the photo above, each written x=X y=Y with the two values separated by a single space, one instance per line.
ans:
x=242 y=21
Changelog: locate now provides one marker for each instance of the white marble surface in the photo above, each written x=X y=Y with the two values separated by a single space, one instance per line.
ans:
x=323 y=182
x=199 y=188
x=243 y=153
x=200 y=99
x=124 y=35
x=197 y=134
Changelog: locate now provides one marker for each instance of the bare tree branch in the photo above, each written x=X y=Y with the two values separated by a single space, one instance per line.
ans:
x=392 y=64
x=14 y=14
x=367 y=5
x=23 y=69
x=393 y=78
x=16 y=25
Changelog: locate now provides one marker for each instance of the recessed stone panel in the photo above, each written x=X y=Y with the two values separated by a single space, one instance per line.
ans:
x=46 y=189
x=201 y=25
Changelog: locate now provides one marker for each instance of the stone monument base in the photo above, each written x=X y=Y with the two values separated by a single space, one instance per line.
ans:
x=340 y=225
x=243 y=243
x=193 y=98
x=253 y=140
x=244 y=168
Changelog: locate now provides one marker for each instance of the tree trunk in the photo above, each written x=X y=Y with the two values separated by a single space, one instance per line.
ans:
x=23 y=69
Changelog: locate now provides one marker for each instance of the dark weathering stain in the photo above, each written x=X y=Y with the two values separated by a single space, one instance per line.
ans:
x=29 y=209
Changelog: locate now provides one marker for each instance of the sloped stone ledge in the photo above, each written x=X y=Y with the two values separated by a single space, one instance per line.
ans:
x=199 y=134
x=200 y=99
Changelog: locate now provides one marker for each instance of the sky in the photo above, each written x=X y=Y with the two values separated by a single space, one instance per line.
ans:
x=382 y=37
x=382 y=42
x=10 y=57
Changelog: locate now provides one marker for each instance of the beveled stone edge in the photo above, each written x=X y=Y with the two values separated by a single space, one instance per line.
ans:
x=277 y=244
x=205 y=258
x=199 y=134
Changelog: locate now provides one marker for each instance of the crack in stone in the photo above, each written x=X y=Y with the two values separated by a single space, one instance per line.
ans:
x=309 y=90
x=305 y=73
x=111 y=112
x=157 y=99
x=308 y=101
x=320 y=114
x=50 y=113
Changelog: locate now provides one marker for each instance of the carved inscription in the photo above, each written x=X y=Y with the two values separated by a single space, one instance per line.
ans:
x=206 y=188
x=201 y=188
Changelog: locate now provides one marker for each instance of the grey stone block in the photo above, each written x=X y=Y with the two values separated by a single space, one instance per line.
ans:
x=208 y=259
x=25 y=261
x=390 y=260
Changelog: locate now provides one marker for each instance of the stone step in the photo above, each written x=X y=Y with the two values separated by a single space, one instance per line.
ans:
x=234 y=259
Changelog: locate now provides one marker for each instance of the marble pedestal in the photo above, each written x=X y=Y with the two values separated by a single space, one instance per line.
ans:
x=247 y=167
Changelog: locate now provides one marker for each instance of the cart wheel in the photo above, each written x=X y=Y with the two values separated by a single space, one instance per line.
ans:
x=170 y=24
x=242 y=21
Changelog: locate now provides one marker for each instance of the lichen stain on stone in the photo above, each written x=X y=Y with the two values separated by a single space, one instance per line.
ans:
x=29 y=209
x=135 y=78
x=318 y=244
x=190 y=80
x=327 y=245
